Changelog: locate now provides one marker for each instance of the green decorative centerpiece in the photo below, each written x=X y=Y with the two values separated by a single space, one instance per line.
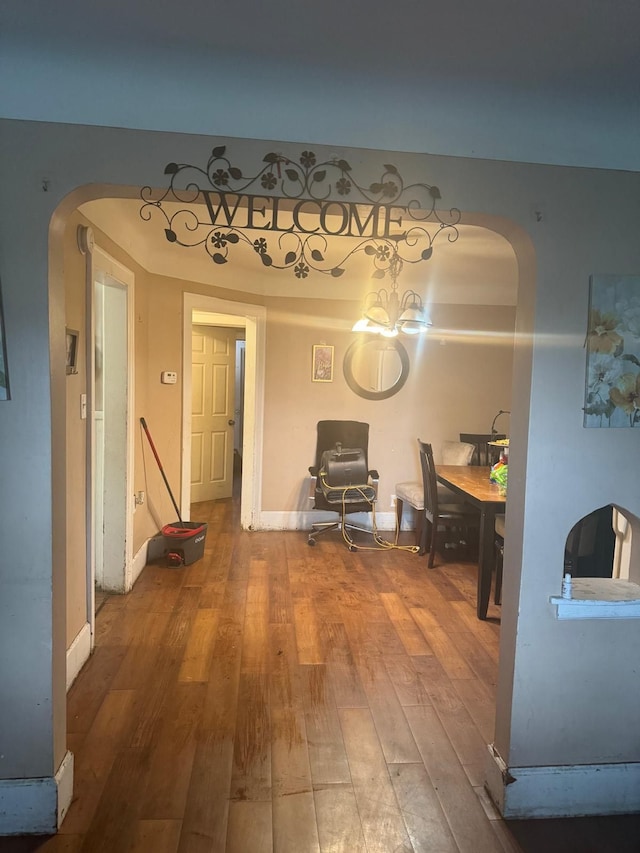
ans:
x=500 y=471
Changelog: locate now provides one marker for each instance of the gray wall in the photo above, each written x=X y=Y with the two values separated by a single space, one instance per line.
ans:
x=556 y=679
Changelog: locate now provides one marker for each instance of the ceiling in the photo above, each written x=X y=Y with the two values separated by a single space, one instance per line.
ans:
x=547 y=82
x=588 y=46
x=544 y=82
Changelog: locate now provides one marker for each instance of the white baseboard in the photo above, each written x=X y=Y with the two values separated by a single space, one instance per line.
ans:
x=304 y=519
x=139 y=562
x=563 y=791
x=36 y=806
x=64 y=783
x=78 y=653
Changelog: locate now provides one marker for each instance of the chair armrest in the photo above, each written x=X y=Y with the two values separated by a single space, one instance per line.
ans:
x=374 y=478
x=313 y=482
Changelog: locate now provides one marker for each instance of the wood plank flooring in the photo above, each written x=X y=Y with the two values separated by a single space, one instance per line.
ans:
x=276 y=698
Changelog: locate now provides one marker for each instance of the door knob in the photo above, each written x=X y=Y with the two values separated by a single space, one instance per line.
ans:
x=231 y=422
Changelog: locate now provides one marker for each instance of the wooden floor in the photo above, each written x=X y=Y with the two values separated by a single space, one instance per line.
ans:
x=276 y=697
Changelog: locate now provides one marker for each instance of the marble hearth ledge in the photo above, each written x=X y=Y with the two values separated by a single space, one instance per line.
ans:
x=599 y=598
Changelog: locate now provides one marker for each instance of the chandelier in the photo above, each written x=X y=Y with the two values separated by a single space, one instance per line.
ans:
x=385 y=312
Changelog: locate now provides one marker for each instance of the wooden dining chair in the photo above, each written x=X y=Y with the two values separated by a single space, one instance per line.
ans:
x=454 y=453
x=484 y=454
x=499 y=551
x=439 y=517
x=457 y=452
x=412 y=492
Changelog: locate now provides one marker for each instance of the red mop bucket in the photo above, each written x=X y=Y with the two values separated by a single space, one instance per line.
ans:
x=183 y=540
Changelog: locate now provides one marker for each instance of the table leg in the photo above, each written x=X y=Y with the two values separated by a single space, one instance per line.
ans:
x=485 y=558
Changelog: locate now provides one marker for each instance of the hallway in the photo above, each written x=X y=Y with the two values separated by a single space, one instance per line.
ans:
x=276 y=697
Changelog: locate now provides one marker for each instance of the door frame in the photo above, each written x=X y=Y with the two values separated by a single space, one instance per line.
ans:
x=101 y=260
x=221 y=312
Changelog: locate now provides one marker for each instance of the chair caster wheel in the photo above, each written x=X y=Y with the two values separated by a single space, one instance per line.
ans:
x=311 y=542
x=352 y=548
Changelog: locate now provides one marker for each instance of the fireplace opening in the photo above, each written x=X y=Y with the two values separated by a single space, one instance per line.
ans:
x=599 y=545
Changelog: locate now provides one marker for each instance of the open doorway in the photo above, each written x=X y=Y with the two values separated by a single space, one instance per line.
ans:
x=239 y=426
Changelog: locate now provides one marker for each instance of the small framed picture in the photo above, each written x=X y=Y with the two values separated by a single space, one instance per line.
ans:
x=322 y=364
x=72 y=350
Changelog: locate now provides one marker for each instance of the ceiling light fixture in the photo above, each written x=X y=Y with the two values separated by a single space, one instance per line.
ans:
x=385 y=312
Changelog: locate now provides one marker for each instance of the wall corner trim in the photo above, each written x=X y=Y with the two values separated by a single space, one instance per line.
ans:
x=78 y=653
x=36 y=806
x=562 y=791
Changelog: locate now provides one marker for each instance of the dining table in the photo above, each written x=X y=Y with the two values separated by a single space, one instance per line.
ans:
x=471 y=482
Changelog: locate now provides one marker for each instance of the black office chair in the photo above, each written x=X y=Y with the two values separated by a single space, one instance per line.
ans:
x=341 y=480
x=483 y=454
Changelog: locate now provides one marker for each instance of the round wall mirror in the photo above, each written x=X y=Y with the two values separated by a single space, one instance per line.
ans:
x=376 y=368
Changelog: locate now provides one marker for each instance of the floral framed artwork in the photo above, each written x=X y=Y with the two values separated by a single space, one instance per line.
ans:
x=322 y=363
x=612 y=395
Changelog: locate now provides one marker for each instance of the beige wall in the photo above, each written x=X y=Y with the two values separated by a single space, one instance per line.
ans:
x=457 y=382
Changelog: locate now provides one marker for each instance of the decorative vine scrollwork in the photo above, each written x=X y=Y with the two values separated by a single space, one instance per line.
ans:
x=226 y=208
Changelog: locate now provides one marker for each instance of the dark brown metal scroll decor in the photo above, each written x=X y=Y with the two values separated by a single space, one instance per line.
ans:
x=300 y=206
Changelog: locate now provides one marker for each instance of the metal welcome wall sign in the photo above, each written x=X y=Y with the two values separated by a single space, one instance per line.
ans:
x=298 y=206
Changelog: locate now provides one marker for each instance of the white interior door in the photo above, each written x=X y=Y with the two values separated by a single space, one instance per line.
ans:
x=111 y=405
x=111 y=432
x=212 y=412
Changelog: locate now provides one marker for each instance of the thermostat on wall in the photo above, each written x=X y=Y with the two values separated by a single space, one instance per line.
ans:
x=168 y=377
